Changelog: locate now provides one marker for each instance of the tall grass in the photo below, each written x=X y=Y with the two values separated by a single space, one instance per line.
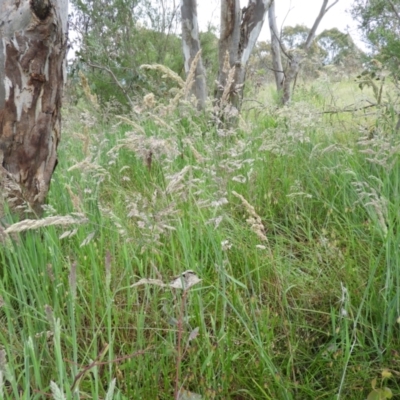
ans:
x=290 y=222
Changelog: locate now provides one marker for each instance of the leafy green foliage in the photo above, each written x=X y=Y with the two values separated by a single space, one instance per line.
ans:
x=331 y=47
x=294 y=36
x=380 y=22
x=209 y=50
x=336 y=46
x=116 y=37
x=382 y=392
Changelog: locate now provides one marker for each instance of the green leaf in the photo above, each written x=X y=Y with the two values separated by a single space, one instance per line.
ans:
x=380 y=394
x=373 y=383
x=374 y=395
x=387 y=393
x=386 y=374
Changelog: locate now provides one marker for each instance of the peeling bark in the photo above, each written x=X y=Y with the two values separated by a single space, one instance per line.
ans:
x=191 y=47
x=33 y=39
x=228 y=42
x=239 y=32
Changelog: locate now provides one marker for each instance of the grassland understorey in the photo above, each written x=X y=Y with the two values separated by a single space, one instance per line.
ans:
x=290 y=221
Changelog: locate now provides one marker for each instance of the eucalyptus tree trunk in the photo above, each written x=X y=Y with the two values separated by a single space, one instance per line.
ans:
x=296 y=57
x=276 y=49
x=33 y=43
x=191 y=49
x=239 y=32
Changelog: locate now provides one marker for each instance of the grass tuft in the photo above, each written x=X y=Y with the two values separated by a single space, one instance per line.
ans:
x=290 y=226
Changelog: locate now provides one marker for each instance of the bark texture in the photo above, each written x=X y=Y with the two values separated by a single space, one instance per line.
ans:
x=33 y=43
x=275 y=49
x=191 y=48
x=227 y=49
x=239 y=32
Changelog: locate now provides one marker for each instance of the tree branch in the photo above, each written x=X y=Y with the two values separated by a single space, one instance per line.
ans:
x=114 y=79
x=331 y=6
x=347 y=110
x=314 y=28
x=274 y=29
x=394 y=9
x=283 y=47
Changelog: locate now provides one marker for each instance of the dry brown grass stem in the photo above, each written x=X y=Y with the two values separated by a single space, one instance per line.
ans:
x=143 y=145
x=61 y=220
x=185 y=87
x=76 y=201
x=87 y=166
x=175 y=183
x=86 y=89
x=3 y=235
x=228 y=87
x=191 y=77
x=254 y=219
x=160 y=122
x=199 y=158
x=168 y=73
x=132 y=123
x=175 y=101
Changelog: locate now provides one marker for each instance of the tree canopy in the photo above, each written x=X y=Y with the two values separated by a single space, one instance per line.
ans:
x=336 y=46
x=379 y=21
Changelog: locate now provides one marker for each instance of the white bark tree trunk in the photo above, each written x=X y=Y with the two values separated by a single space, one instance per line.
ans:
x=228 y=43
x=239 y=32
x=191 y=47
x=297 y=57
x=276 y=49
x=33 y=43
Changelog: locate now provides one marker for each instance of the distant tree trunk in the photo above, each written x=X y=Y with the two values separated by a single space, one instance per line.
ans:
x=33 y=43
x=296 y=57
x=239 y=32
x=275 y=49
x=191 y=48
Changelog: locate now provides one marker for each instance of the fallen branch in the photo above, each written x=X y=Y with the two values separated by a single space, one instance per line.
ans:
x=348 y=110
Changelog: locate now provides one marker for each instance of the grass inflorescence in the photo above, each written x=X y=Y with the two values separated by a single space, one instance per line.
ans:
x=290 y=222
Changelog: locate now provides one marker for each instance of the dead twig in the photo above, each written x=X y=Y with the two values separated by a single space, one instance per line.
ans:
x=348 y=110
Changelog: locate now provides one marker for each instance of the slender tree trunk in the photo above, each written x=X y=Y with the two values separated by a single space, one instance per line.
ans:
x=239 y=32
x=294 y=63
x=275 y=49
x=33 y=42
x=191 y=48
x=228 y=45
x=297 y=56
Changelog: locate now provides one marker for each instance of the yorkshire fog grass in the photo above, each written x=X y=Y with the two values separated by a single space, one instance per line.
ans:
x=290 y=222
